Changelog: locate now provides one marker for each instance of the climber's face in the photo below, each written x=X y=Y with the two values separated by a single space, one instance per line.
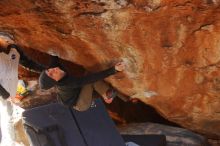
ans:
x=55 y=73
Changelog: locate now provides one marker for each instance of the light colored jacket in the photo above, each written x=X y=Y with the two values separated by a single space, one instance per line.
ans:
x=9 y=71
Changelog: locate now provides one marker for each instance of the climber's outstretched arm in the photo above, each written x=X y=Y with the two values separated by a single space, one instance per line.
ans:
x=26 y=62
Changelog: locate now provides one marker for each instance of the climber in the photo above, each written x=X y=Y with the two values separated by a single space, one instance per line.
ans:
x=72 y=91
x=78 y=91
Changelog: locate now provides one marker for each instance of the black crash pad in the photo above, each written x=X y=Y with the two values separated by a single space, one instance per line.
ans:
x=146 y=140
x=97 y=127
x=51 y=114
x=93 y=127
x=89 y=128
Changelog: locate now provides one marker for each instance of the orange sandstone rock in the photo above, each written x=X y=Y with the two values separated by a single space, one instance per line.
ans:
x=171 y=48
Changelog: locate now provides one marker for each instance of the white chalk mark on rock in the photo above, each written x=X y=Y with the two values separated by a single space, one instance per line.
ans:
x=145 y=94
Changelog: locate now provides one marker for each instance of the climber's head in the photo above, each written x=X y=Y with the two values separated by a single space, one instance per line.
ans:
x=53 y=74
x=49 y=77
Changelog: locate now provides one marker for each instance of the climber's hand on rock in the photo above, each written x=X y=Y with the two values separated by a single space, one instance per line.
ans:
x=120 y=66
x=5 y=40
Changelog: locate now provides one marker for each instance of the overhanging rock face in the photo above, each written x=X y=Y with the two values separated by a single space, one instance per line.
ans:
x=171 y=48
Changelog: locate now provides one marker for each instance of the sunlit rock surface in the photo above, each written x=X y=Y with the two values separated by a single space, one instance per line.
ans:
x=171 y=48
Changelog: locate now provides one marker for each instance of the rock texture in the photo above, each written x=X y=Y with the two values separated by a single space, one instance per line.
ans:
x=171 y=48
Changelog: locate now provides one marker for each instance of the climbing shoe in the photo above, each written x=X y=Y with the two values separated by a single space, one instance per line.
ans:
x=111 y=93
